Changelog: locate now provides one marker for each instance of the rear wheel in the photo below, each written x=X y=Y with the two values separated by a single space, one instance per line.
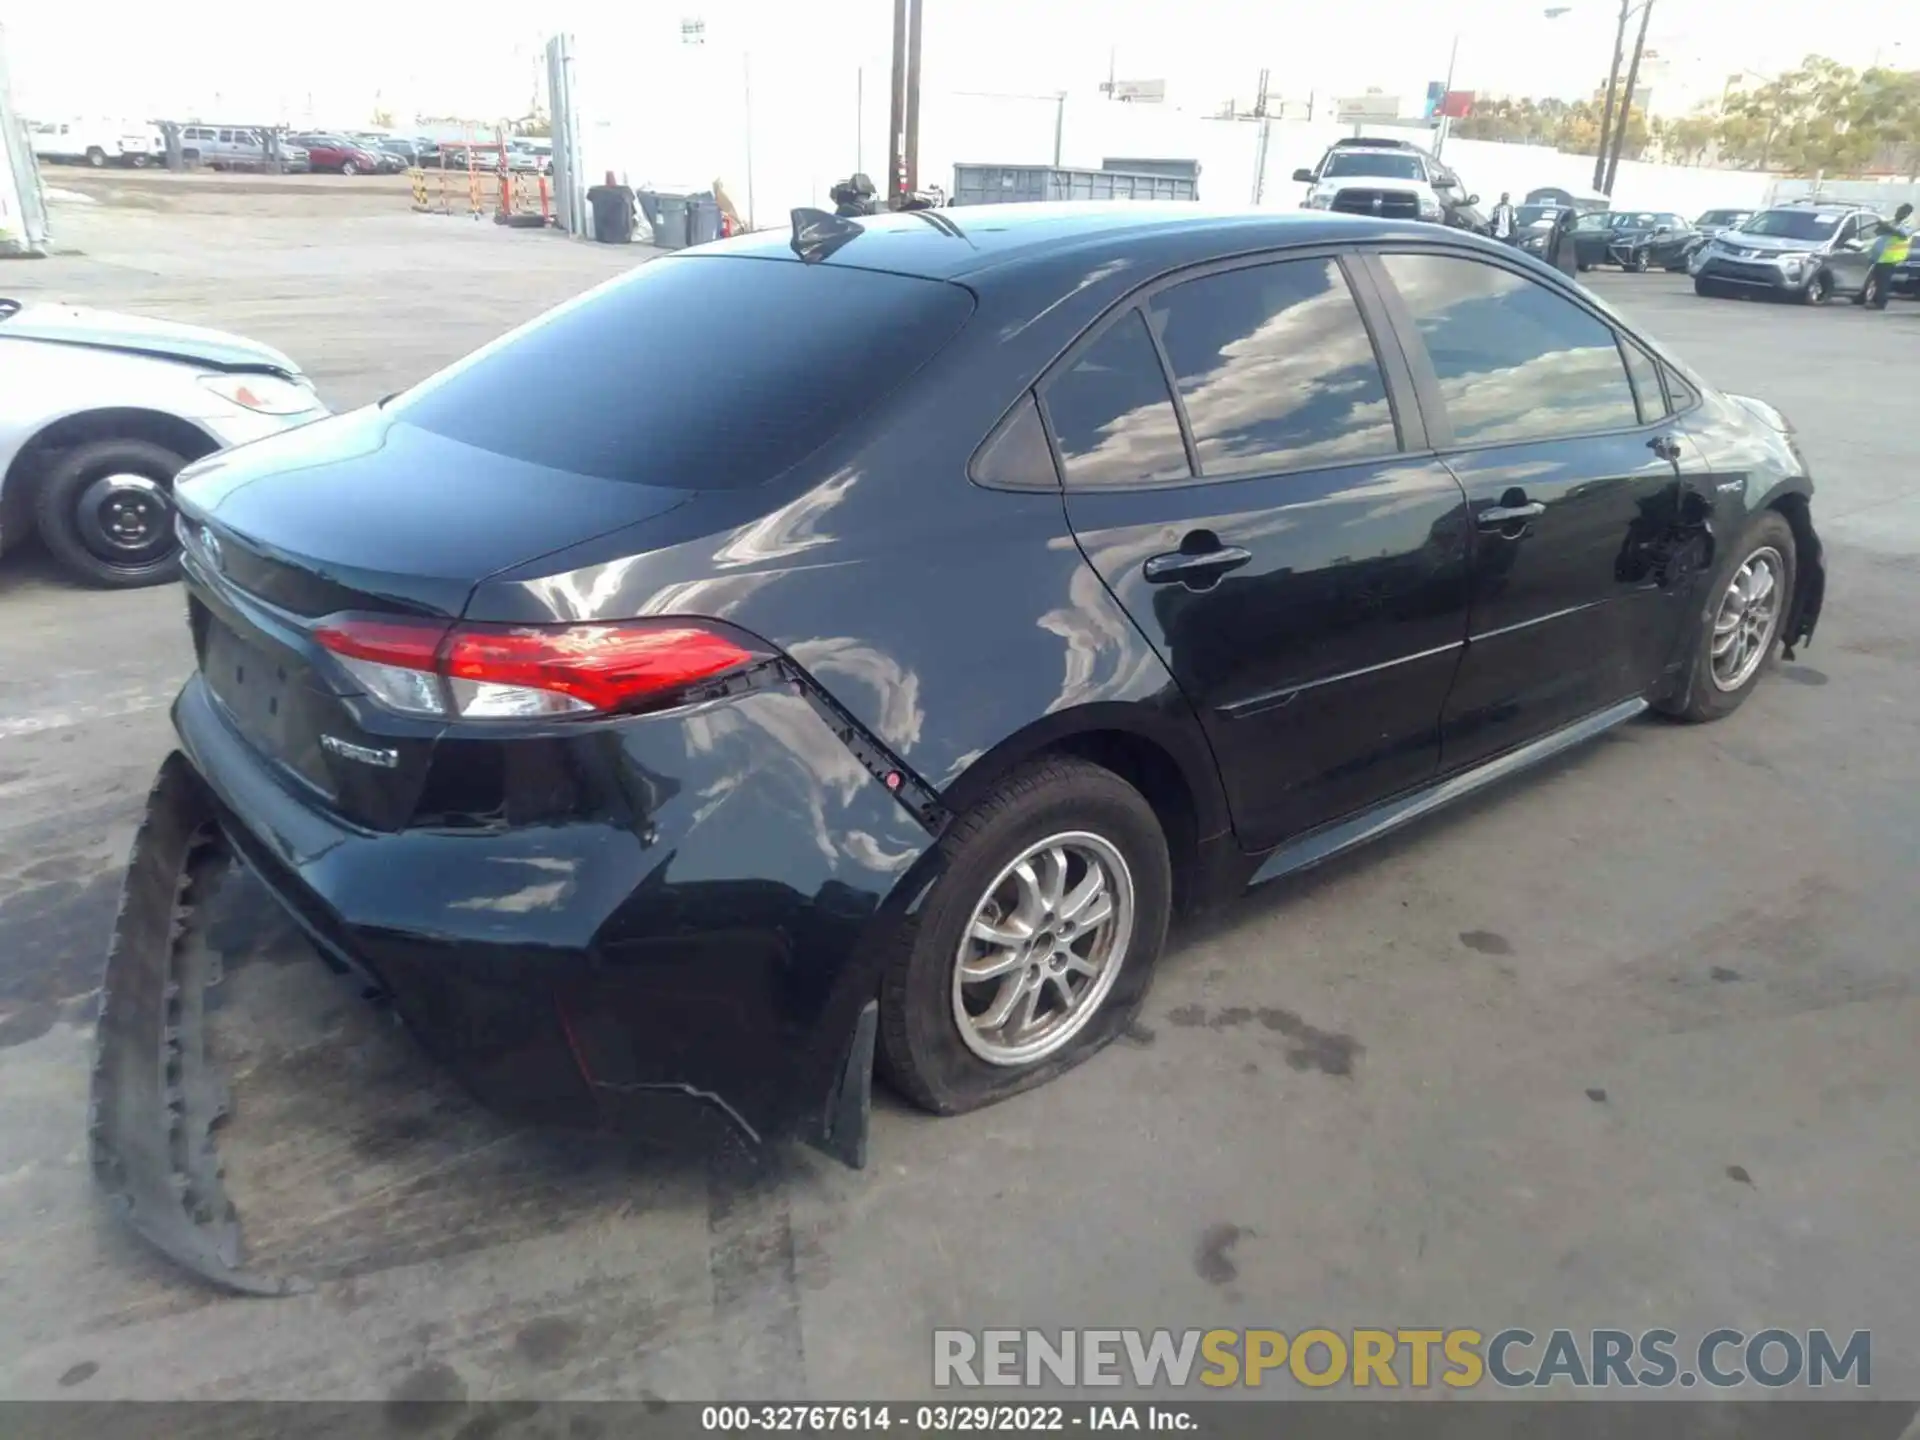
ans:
x=1739 y=626
x=105 y=512
x=1036 y=946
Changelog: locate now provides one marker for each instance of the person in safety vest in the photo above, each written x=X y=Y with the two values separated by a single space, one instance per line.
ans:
x=1888 y=251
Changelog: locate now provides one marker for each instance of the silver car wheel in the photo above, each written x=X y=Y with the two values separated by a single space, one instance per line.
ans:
x=1748 y=617
x=1043 y=948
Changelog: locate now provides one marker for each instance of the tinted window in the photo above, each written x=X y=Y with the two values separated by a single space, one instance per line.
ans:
x=1646 y=382
x=693 y=372
x=1015 y=456
x=1275 y=368
x=1112 y=415
x=1515 y=361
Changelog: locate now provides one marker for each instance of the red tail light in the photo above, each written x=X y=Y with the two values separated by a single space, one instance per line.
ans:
x=424 y=667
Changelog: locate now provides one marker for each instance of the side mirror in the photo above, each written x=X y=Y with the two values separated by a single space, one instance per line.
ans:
x=1471 y=200
x=1305 y=177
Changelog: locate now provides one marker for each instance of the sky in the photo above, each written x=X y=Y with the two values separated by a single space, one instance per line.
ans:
x=481 y=59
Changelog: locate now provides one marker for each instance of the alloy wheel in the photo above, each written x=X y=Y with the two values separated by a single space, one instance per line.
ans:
x=1748 y=617
x=1043 y=948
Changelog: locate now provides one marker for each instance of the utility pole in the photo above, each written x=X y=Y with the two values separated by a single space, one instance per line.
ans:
x=1443 y=125
x=1626 y=105
x=903 y=131
x=1260 y=101
x=1606 y=115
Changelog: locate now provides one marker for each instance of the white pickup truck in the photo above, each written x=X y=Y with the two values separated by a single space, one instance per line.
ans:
x=99 y=142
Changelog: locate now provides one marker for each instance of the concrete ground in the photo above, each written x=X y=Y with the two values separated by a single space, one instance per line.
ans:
x=1628 y=1043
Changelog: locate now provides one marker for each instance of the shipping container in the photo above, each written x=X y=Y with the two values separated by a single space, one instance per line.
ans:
x=1013 y=184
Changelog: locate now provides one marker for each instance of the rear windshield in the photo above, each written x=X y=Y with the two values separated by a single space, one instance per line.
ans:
x=693 y=372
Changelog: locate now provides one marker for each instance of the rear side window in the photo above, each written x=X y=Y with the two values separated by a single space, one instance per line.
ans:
x=1515 y=360
x=1645 y=375
x=1112 y=414
x=1275 y=368
x=693 y=372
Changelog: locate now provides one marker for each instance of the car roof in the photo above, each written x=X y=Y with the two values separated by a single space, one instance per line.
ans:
x=969 y=240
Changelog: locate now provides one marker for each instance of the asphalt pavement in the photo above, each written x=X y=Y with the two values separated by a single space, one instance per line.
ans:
x=1630 y=1042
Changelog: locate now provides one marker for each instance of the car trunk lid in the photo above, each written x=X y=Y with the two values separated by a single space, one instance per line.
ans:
x=370 y=518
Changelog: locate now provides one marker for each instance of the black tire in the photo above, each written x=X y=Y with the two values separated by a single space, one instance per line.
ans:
x=1705 y=288
x=347 y=167
x=1582 y=266
x=1636 y=266
x=921 y=1050
x=1818 y=290
x=1703 y=699
x=64 y=490
x=96 y=157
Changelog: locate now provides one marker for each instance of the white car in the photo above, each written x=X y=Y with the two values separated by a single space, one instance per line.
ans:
x=1389 y=179
x=98 y=142
x=99 y=412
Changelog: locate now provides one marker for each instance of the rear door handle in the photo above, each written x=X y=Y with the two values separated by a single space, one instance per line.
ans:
x=1497 y=515
x=1667 y=447
x=1199 y=569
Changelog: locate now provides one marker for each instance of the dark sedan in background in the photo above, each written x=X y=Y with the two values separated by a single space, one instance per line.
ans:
x=1079 y=564
x=1634 y=240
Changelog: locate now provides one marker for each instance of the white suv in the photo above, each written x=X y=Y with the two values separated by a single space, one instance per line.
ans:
x=98 y=142
x=1390 y=178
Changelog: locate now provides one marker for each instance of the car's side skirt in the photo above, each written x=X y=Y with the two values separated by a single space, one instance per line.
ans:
x=1333 y=839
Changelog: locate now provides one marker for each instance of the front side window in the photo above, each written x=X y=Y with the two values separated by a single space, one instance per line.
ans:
x=1275 y=368
x=1514 y=360
x=1112 y=415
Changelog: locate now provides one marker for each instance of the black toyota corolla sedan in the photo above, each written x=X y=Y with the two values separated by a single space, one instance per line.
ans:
x=851 y=645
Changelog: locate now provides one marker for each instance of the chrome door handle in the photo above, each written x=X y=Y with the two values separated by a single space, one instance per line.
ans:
x=1197 y=568
x=1497 y=515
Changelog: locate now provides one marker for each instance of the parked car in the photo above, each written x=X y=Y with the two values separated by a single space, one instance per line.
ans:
x=530 y=154
x=1905 y=280
x=1079 y=562
x=98 y=143
x=224 y=147
x=98 y=413
x=1389 y=179
x=1581 y=202
x=1805 y=252
x=1712 y=222
x=339 y=155
x=1637 y=240
x=407 y=151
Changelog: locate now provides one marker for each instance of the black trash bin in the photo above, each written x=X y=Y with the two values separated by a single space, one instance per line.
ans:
x=612 y=213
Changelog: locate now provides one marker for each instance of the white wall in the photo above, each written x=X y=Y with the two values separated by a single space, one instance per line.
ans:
x=669 y=115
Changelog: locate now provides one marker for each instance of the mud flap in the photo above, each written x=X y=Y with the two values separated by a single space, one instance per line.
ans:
x=156 y=1098
x=843 y=1128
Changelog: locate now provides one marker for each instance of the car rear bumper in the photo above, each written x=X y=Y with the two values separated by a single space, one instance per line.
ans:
x=684 y=955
